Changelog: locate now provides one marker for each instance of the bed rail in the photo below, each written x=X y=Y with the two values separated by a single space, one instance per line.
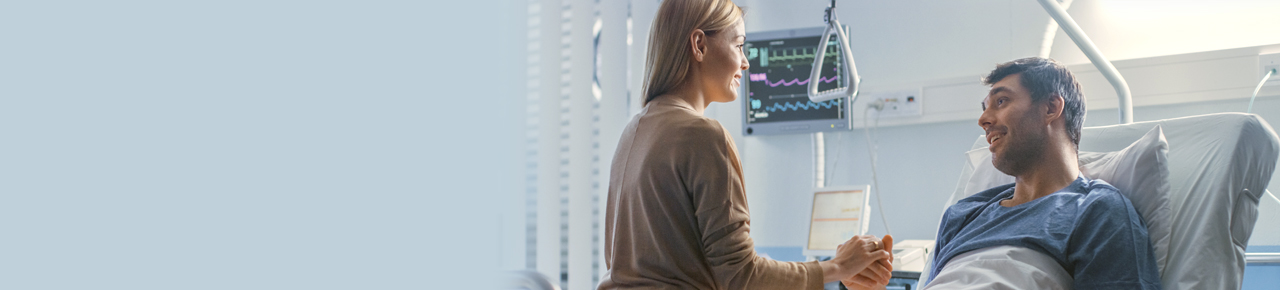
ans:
x=1261 y=258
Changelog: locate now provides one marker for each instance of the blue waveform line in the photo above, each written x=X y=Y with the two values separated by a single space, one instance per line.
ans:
x=801 y=106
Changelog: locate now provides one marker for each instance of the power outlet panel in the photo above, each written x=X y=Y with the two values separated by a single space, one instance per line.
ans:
x=897 y=104
x=1266 y=63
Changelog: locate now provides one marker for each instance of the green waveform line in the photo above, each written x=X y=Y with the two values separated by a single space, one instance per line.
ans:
x=799 y=54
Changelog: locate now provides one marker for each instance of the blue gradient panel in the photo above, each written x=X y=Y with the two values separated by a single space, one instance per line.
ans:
x=1261 y=277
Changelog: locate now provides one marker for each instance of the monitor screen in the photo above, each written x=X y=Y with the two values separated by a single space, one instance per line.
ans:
x=839 y=213
x=777 y=100
x=902 y=280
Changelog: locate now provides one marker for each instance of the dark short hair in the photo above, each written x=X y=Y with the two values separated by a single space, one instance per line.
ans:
x=1045 y=77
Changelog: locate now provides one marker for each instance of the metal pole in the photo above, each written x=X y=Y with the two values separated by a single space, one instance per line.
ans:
x=1069 y=26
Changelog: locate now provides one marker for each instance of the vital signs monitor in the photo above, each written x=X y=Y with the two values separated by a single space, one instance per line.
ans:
x=777 y=100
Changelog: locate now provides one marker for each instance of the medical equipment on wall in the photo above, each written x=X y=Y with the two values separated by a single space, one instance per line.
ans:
x=850 y=91
x=775 y=99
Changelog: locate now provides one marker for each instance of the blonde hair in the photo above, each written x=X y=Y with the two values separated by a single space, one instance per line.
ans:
x=669 y=58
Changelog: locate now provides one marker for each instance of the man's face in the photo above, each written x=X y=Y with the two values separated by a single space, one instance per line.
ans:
x=1016 y=128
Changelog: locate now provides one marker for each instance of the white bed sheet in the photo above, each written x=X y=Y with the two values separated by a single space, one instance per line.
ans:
x=1219 y=165
x=1001 y=267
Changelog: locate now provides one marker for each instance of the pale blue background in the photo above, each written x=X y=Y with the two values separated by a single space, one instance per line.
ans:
x=256 y=144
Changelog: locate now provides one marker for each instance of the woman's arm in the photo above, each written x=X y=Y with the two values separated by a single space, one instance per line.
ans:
x=717 y=192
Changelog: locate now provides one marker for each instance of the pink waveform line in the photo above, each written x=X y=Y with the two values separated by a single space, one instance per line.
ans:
x=800 y=82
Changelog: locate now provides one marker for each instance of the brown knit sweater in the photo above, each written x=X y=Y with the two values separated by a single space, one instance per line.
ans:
x=677 y=213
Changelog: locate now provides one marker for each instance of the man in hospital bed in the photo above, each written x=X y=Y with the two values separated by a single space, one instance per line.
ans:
x=1053 y=228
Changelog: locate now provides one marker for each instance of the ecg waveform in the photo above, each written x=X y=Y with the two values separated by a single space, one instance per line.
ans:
x=798 y=54
x=761 y=77
x=800 y=106
x=791 y=56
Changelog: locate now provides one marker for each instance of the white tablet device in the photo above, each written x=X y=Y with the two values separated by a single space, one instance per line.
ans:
x=839 y=213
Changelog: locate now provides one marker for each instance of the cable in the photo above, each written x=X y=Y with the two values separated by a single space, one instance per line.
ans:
x=871 y=150
x=1259 y=88
x=836 y=162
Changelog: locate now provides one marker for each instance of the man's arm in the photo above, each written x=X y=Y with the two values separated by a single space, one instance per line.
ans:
x=1109 y=247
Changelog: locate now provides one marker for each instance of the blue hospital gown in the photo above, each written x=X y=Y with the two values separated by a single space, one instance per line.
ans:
x=1087 y=227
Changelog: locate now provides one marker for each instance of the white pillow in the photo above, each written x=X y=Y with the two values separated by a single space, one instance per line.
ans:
x=1140 y=172
x=985 y=174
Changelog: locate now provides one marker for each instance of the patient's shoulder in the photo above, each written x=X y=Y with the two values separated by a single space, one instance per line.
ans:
x=1103 y=201
x=1099 y=185
x=1102 y=193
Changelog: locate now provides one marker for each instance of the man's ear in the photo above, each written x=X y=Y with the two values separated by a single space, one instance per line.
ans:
x=698 y=42
x=1053 y=108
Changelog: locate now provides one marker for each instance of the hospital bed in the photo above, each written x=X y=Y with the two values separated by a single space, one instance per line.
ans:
x=1218 y=167
x=1195 y=180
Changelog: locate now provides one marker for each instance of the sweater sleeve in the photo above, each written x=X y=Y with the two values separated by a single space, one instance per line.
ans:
x=720 y=202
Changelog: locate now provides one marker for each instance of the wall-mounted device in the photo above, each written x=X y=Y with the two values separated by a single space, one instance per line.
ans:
x=1269 y=63
x=775 y=98
x=897 y=103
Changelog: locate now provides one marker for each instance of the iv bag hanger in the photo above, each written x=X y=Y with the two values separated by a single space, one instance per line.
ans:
x=846 y=61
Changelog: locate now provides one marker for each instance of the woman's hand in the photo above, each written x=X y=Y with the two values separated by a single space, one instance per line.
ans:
x=877 y=275
x=854 y=257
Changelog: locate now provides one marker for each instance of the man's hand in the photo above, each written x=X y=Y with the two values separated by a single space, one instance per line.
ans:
x=855 y=256
x=876 y=275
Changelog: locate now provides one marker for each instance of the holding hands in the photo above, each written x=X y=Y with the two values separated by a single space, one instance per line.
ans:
x=862 y=262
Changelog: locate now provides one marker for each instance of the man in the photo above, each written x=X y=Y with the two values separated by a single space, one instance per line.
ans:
x=1032 y=116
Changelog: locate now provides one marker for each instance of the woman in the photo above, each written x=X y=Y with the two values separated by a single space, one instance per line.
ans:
x=677 y=212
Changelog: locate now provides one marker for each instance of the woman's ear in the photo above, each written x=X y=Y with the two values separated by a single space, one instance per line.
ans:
x=698 y=42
